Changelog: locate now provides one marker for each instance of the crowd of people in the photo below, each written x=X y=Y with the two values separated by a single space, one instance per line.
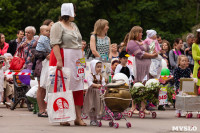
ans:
x=61 y=43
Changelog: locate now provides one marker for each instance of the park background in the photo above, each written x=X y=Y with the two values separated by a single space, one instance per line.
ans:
x=170 y=18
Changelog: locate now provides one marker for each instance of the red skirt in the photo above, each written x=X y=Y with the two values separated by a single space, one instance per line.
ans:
x=78 y=95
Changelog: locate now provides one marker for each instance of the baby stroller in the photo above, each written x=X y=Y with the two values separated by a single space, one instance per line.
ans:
x=116 y=98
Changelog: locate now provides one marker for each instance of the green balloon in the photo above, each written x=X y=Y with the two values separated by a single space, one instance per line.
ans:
x=165 y=72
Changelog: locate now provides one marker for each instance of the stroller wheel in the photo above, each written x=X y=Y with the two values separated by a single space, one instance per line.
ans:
x=99 y=124
x=111 y=124
x=128 y=124
x=130 y=113
x=116 y=125
x=187 y=116
x=153 y=115
x=178 y=114
x=142 y=115
x=190 y=115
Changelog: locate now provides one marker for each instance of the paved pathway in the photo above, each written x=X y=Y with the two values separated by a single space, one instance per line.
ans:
x=22 y=121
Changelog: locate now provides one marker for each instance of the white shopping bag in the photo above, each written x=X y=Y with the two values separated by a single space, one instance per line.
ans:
x=156 y=64
x=60 y=105
x=44 y=73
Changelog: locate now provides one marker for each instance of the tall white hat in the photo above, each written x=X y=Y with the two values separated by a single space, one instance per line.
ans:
x=198 y=30
x=67 y=9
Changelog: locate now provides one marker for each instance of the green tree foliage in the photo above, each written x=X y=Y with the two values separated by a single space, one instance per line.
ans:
x=170 y=18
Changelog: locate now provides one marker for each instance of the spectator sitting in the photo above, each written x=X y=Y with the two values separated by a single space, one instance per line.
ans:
x=189 y=40
x=27 y=44
x=174 y=53
x=165 y=51
x=188 y=50
x=114 y=63
x=159 y=39
x=14 y=44
x=8 y=83
x=114 y=53
x=84 y=45
x=3 y=45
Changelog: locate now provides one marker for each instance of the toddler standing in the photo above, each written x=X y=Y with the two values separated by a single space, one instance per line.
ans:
x=92 y=104
x=182 y=71
x=2 y=70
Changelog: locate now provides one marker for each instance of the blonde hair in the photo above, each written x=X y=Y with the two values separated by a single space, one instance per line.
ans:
x=114 y=44
x=99 y=26
x=126 y=38
x=134 y=33
x=179 y=58
x=43 y=27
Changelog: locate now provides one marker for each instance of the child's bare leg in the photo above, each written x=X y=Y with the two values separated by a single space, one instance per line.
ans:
x=143 y=108
x=1 y=97
x=133 y=108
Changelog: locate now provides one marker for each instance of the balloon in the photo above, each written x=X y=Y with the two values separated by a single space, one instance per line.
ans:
x=121 y=76
x=25 y=79
x=165 y=72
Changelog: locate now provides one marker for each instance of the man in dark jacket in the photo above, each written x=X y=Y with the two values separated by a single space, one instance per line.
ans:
x=14 y=44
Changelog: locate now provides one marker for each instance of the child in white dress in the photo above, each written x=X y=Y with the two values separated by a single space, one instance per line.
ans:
x=92 y=104
x=2 y=70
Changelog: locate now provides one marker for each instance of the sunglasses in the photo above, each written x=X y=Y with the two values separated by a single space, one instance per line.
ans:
x=1 y=62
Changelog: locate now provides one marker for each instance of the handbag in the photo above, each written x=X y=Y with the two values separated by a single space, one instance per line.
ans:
x=18 y=60
x=60 y=105
x=90 y=51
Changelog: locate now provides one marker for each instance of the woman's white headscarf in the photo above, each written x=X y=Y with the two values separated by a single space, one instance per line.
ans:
x=67 y=9
x=151 y=33
x=93 y=65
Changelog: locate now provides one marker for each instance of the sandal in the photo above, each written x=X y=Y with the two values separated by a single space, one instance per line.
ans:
x=145 y=111
x=80 y=123
x=43 y=114
x=134 y=111
x=65 y=124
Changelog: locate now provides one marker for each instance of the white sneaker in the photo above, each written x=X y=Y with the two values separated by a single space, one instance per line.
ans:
x=93 y=123
x=2 y=103
x=8 y=103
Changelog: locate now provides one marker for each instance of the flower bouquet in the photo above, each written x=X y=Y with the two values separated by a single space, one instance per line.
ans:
x=138 y=93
